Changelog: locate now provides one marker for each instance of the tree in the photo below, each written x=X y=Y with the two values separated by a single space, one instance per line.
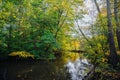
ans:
x=113 y=54
x=117 y=22
x=38 y=26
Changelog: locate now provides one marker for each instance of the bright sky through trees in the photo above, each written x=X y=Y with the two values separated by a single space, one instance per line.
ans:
x=91 y=15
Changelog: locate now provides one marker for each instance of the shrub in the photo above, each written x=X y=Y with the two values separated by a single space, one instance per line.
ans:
x=22 y=54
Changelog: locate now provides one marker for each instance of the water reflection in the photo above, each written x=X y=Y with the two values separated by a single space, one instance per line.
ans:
x=3 y=71
x=45 y=70
x=78 y=69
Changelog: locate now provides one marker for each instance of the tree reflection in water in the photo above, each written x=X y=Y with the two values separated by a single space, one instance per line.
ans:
x=44 y=70
x=78 y=69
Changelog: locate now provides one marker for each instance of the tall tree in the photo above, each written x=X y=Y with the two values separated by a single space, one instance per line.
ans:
x=113 y=55
x=117 y=22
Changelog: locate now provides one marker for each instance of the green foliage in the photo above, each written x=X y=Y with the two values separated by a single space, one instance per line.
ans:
x=97 y=45
x=39 y=27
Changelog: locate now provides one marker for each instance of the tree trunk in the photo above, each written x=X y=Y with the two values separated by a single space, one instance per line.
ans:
x=113 y=55
x=117 y=22
x=97 y=6
x=9 y=38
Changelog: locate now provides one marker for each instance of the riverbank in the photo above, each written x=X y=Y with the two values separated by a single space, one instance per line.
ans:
x=16 y=59
x=106 y=74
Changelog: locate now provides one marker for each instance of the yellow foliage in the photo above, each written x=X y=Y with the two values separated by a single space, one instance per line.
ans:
x=118 y=52
x=75 y=45
x=103 y=14
x=104 y=60
x=65 y=60
x=107 y=53
x=102 y=37
x=22 y=54
x=63 y=3
x=99 y=45
x=73 y=56
x=55 y=8
x=70 y=56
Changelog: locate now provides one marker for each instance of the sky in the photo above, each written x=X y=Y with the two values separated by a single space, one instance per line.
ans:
x=90 y=18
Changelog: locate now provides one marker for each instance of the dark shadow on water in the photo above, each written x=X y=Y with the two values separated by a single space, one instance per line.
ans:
x=58 y=69
x=41 y=70
x=3 y=71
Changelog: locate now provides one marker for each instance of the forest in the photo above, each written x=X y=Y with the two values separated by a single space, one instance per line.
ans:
x=40 y=31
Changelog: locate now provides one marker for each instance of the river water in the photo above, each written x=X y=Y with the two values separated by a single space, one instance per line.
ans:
x=45 y=70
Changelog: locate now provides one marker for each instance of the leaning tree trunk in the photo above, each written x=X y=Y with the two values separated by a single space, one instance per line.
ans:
x=97 y=6
x=117 y=22
x=113 y=55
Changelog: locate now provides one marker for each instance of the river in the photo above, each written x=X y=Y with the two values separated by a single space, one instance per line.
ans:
x=45 y=70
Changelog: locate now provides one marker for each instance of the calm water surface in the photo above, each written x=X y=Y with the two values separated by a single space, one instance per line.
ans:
x=44 y=70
